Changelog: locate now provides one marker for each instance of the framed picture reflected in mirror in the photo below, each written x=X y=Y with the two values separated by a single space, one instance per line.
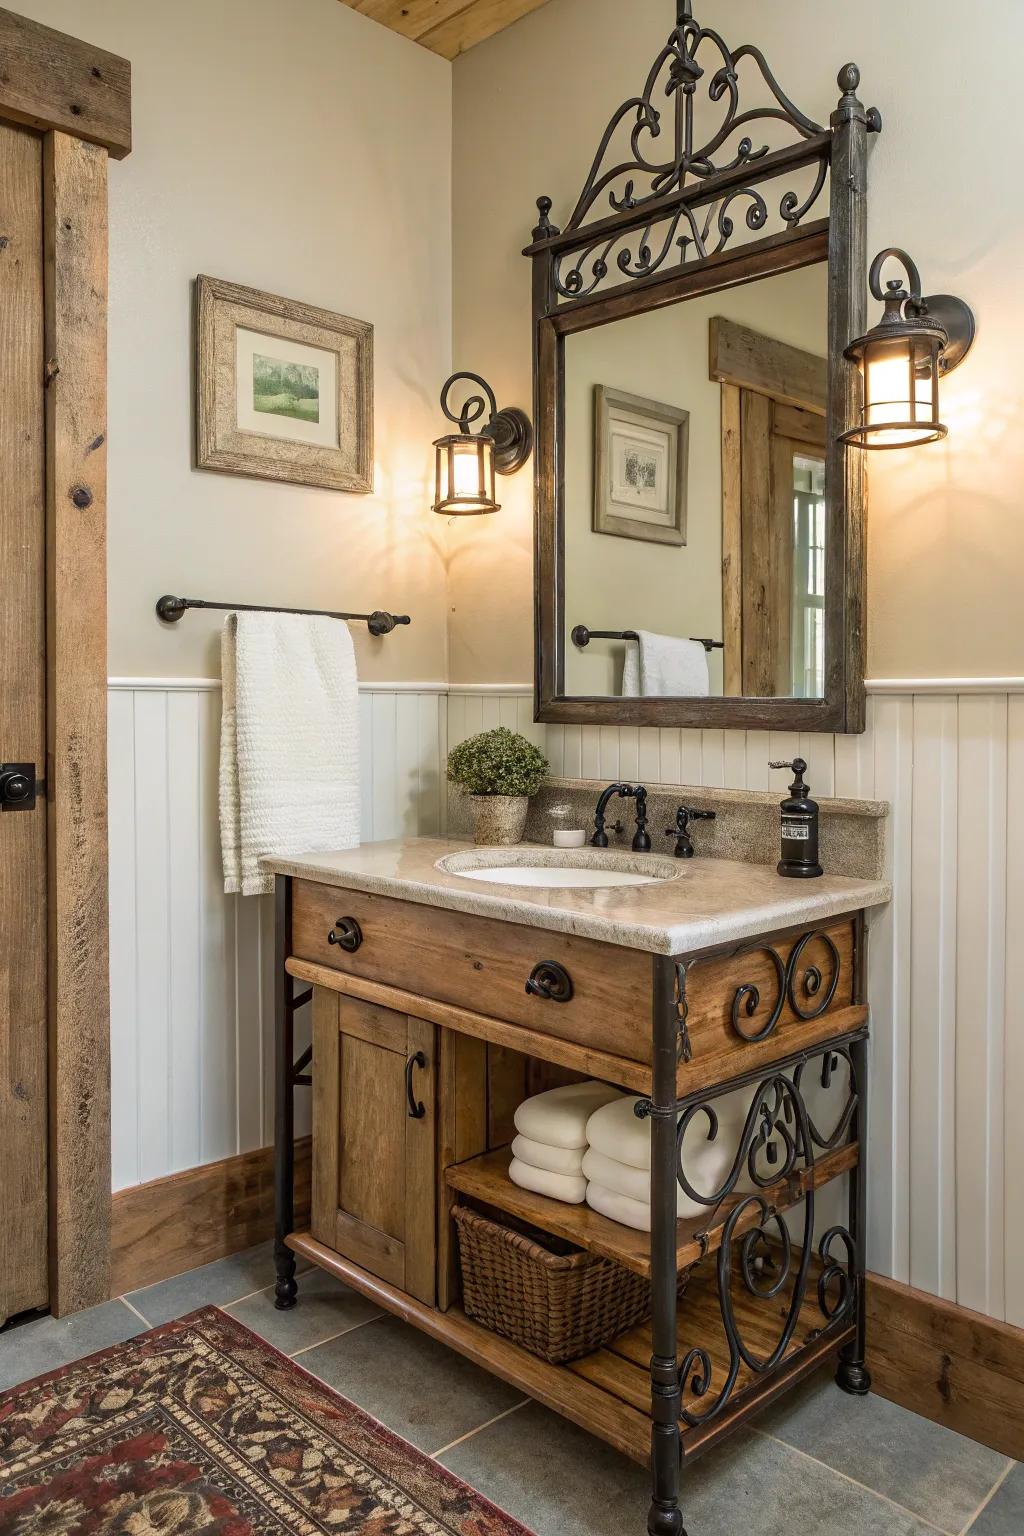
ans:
x=641 y=453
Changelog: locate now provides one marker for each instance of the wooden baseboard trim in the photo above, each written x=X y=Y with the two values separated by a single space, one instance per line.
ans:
x=191 y=1218
x=955 y=1367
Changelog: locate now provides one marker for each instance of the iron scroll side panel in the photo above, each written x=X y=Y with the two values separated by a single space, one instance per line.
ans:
x=779 y=1144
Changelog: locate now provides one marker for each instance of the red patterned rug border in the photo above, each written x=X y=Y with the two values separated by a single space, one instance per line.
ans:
x=246 y=1338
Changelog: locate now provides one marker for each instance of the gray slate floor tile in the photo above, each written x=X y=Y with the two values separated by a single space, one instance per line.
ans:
x=214 y=1285
x=1005 y=1515
x=326 y=1308
x=49 y=1342
x=422 y=1390
x=560 y=1482
x=923 y=1466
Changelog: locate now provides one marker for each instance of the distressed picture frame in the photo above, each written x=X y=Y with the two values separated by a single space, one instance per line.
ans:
x=284 y=390
x=641 y=467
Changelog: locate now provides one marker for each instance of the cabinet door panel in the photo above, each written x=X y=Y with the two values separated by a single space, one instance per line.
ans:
x=374 y=1162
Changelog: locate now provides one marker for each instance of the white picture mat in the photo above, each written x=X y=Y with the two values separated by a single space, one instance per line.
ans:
x=322 y=433
x=645 y=503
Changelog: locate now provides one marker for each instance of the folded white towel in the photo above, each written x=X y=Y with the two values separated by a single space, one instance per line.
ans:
x=559 y=1117
x=665 y=666
x=289 y=748
x=631 y=1213
x=557 y=1186
x=567 y=1160
x=615 y=1130
x=621 y=1179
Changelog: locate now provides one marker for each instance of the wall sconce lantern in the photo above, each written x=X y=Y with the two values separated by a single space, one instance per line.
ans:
x=916 y=342
x=466 y=461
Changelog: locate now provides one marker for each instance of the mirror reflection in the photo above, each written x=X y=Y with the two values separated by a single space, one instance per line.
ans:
x=695 y=510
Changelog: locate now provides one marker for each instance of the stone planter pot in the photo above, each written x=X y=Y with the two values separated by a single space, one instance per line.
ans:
x=498 y=820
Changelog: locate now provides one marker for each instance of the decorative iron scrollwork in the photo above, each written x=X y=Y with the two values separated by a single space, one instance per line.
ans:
x=747 y=999
x=788 y=981
x=695 y=189
x=757 y=1249
x=692 y=54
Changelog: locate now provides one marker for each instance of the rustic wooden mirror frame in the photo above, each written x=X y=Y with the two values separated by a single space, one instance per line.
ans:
x=570 y=294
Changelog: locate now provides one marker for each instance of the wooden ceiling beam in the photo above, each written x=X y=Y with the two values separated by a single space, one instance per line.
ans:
x=446 y=27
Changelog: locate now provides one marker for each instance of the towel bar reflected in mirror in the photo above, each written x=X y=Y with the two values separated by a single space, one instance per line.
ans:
x=582 y=637
x=170 y=610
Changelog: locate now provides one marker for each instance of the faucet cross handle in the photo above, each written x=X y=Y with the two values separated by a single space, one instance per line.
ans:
x=681 y=831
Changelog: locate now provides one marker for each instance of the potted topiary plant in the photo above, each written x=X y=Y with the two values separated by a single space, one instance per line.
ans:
x=498 y=770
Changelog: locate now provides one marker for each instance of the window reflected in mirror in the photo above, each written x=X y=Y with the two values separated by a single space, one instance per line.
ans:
x=694 y=514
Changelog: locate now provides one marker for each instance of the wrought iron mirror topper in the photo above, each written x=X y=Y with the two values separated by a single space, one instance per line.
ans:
x=709 y=178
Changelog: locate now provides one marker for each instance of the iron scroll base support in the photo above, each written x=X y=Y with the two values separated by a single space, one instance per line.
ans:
x=288 y=1073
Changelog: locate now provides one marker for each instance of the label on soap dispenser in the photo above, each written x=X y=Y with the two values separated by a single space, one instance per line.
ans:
x=798 y=831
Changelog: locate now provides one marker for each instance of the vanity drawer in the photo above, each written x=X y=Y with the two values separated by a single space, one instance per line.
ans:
x=477 y=963
x=772 y=994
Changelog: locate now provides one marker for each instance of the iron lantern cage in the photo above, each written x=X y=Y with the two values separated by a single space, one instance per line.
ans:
x=902 y=359
x=466 y=462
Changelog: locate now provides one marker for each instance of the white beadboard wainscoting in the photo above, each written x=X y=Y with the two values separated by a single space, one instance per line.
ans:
x=191 y=969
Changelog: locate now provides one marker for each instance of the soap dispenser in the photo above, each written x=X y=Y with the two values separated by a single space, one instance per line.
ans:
x=799 y=859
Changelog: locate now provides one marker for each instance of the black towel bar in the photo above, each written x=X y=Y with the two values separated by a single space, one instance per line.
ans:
x=582 y=636
x=170 y=610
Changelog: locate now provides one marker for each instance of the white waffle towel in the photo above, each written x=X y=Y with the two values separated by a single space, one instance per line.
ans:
x=289 y=743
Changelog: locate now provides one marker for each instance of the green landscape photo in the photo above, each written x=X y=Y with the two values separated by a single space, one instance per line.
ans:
x=285 y=389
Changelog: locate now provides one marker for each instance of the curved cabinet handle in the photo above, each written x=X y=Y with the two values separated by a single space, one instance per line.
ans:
x=550 y=981
x=416 y=1109
x=347 y=934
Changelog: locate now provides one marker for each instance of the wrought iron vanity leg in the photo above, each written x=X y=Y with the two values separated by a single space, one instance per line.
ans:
x=665 y=1518
x=852 y=1374
x=286 y=1290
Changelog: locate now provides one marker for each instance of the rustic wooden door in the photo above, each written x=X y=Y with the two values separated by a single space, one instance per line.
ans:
x=23 y=919
x=374 y=1140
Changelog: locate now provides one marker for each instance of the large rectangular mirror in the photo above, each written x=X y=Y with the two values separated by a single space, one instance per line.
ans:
x=700 y=527
x=694 y=509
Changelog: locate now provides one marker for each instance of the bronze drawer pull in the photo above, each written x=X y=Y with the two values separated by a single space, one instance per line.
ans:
x=416 y=1109
x=551 y=981
x=346 y=933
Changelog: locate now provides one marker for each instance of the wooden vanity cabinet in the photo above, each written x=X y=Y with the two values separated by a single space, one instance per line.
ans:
x=374 y=1129
x=426 y=1037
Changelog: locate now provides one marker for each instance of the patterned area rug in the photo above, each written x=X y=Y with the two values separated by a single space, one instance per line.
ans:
x=201 y=1429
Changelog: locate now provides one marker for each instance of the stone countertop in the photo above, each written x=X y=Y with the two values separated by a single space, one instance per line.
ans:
x=712 y=901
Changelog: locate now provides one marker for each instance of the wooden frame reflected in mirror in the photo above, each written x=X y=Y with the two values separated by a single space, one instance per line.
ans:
x=694 y=225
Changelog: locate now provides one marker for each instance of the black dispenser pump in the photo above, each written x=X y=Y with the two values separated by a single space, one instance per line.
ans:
x=799 y=859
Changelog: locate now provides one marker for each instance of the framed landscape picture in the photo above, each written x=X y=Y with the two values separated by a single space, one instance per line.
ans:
x=283 y=390
x=641 y=460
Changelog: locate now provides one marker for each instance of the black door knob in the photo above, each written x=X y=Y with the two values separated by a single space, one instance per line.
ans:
x=14 y=787
x=18 y=786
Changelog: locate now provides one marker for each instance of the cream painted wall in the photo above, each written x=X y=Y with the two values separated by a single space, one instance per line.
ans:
x=613 y=583
x=346 y=205
x=946 y=542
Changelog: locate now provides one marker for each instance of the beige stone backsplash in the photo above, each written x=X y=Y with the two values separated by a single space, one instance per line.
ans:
x=746 y=825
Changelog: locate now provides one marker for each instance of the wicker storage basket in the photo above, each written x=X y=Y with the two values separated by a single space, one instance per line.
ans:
x=558 y=1306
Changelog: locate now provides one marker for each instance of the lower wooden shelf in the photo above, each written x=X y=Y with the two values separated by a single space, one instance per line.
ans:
x=486 y=1179
x=607 y=1392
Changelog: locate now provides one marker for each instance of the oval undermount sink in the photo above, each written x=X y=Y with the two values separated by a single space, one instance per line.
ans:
x=559 y=868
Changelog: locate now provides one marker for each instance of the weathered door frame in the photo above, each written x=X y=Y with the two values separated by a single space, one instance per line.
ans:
x=79 y=98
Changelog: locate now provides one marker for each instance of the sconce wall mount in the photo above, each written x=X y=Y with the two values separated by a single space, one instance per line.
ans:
x=467 y=462
x=917 y=341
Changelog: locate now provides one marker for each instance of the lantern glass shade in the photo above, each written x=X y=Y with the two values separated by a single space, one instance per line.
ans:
x=464 y=481
x=901 y=389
